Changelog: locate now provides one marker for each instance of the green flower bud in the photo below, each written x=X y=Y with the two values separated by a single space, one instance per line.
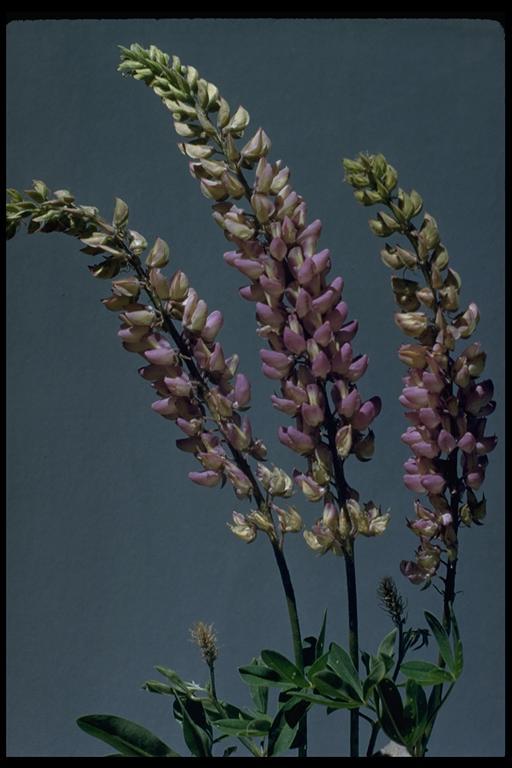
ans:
x=238 y=122
x=158 y=255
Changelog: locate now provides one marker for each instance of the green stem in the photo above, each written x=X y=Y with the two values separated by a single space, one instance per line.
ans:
x=373 y=739
x=211 y=668
x=350 y=571
x=353 y=640
x=293 y=615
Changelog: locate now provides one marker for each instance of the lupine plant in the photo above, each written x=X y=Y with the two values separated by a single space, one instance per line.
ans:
x=303 y=322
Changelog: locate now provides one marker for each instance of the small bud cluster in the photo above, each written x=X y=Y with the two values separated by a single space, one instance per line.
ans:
x=392 y=601
x=203 y=635
x=337 y=527
x=445 y=404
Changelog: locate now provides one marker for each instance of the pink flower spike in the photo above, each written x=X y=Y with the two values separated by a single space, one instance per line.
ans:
x=467 y=442
x=357 y=368
x=306 y=272
x=446 y=441
x=367 y=413
x=323 y=334
x=269 y=316
x=294 y=342
x=214 y=323
x=312 y=230
x=411 y=466
x=252 y=292
x=209 y=478
x=165 y=407
x=350 y=404
x=249 y=267
x=347 y=332
x=303 y=303
x=286 y=406
x=178 y=386
x=338 y=315
x=322 y=261
x=429 y=417
x=427 y=449
x=242 y=390
x=277 y=360
x=230 y=257
x=417 y=396
x=321 y=365
x=295 y=440
x=271 y=373
x=475 y=479
x=161 y=356
x=313 y=415
x=414 y=483
x=433 y=483
x=278 y=249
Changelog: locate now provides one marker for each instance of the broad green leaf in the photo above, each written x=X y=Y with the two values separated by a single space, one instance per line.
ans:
x=365 y=658
x=284 y=668
x=330 y=684
x=130 y=739
x=284 y=728
x=196 y=738
x=415 y=711
x=319 y=665
x=234 y=727
x=258 y=674
x=387 y=646
x=173 y=678
x=155 y=686
x=314 y=698
x=392 y=715
x=457 y=645
x=443 y=641
x=259 y=693
x=425 y=673
x=341 y=663
x=321 y=637
x=377 y=673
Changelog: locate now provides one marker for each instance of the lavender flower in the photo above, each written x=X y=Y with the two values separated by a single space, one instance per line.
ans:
x=197 y=385
x=446 y=406
x=300 y=310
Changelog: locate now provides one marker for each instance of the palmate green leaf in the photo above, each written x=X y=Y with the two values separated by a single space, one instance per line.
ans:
x=286 y=670
x=341 y=663
x=442 y=639
x=130 y=739
x=425 y=673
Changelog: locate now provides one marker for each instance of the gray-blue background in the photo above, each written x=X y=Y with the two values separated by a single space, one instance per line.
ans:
x=112 y=553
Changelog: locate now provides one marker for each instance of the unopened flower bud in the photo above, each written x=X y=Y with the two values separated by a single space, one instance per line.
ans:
x=158 y=255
